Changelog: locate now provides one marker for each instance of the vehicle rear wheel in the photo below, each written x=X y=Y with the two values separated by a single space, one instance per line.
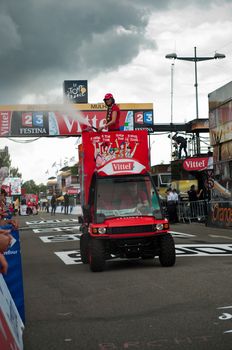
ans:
x=167 y=256
x=96 y=255
x=84 y=248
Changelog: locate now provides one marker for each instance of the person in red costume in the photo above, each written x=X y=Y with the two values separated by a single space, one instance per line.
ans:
x=112 y=115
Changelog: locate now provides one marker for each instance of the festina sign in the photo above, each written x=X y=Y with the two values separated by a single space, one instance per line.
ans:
x=196 y=164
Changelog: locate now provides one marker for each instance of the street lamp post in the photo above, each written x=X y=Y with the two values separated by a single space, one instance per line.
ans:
x=196 y=59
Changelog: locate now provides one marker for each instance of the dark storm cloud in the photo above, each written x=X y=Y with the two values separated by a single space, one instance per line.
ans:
x=43 y=41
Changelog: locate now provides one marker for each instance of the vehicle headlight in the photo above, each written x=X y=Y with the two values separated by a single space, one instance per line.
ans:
x=159 y=227
x=102 y=230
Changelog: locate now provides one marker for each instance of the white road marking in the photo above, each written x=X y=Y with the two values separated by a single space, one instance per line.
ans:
x=70 y=258
x=219 y=236
x=181 y=234
x=56 y=229
x=188 y=250
x=55 y=221
x=203 y=249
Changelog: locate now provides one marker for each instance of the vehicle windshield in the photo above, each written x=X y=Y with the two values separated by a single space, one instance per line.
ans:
x=127 y=196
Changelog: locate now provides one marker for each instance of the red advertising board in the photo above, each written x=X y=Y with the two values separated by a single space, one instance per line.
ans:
x=62 y=120
x=198 y=163
x=72 y=191
x=113 y=153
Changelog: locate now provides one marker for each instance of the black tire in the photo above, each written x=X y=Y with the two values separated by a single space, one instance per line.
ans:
x=84 y=248
x=96 y=255
x=167 y=256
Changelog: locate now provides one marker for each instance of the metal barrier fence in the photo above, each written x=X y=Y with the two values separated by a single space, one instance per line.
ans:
x=192 y=211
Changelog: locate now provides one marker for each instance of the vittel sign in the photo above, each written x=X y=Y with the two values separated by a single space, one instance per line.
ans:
x=195 y=164
x=122 y=166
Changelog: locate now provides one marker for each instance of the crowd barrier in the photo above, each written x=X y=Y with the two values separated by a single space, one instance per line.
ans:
x=11 y=325
x=192 y=211
x=187 y=211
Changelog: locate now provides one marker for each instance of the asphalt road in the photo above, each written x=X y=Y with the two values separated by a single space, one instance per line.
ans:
x=132 y=304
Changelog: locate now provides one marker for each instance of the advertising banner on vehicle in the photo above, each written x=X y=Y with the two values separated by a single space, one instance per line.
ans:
x=68 y=120
x=114 y=153
x=11 y=325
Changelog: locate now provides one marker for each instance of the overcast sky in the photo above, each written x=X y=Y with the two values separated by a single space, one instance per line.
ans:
x=119 y=46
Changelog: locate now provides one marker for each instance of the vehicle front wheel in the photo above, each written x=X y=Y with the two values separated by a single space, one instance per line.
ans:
x=167 y=255
x=96 y=255
x=84 y=248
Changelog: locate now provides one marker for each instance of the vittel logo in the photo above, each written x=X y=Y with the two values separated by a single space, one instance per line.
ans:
x=195 y=164
x=4 y=123
x=123 y=166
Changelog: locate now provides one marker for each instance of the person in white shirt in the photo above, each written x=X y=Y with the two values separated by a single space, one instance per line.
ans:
x=172 y=200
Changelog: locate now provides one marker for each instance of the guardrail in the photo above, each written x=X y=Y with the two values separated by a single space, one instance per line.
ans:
x=187 y=211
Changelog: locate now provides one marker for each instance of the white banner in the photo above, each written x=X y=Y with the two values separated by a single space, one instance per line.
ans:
x=11 y=325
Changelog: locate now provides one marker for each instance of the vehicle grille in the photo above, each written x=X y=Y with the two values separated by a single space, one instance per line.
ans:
x=131 y=229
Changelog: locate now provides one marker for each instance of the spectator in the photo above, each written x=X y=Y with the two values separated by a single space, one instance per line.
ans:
x=3 y=209
x=172 y=200
x=53 y=204
x=62 y=206
x=193 y=195
x=66 y=203
x=16 y=205
x=175 y=195
x=5 y=241
x=7 y=222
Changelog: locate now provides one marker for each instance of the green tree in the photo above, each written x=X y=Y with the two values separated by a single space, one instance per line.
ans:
x=5 y=160
x=74 y=169
x=30 y=187
x=42 y=188
x=14 y=172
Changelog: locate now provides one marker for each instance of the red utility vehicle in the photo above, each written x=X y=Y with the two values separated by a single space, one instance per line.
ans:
x=121 y=209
